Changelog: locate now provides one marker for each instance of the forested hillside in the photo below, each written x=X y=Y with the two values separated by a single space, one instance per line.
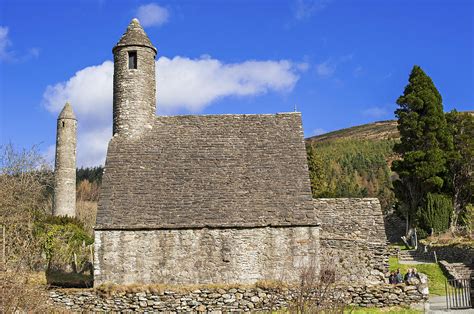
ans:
x=372 y=131
x=351 y=167
x=355 y=162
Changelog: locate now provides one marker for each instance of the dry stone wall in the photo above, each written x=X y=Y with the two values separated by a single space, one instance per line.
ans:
x=217 y=300
x=353 y=236
x=454 y=253
x=191 y=256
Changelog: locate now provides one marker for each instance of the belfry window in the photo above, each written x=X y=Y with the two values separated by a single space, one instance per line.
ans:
x=132 y=59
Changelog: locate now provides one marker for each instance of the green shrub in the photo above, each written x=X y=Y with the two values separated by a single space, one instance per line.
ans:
x=63 y=239
x=421 y=234
x=467 y=218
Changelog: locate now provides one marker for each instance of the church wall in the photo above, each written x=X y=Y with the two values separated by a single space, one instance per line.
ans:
x=353 y=236
x=192 y=256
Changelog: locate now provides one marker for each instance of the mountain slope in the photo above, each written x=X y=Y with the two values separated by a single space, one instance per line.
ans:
x=372 y=131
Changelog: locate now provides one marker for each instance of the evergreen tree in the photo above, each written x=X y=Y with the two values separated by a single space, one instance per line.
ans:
x=460 y=178
x=436 y=212
x=424 y=139
x=316 y=173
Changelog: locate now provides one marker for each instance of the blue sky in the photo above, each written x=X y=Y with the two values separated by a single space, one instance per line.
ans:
x=342 y=63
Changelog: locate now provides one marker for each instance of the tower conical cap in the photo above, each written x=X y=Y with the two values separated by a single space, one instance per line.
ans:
x=67 y=112
x=134 y=36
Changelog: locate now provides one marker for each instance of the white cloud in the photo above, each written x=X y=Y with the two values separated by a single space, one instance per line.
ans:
x=182 y=84
x=8 y=55
x=92 y=145
x=5 y=43
x=152 y=15
x=89 y=91
x=325 y=68
x=329 y=66
x=376 y=112
x=305 y=9
x=192 y=84
x=303 y=66
x=318 y=131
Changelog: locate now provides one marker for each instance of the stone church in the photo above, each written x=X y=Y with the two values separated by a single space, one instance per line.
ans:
x=198 y=198
x=211 y=198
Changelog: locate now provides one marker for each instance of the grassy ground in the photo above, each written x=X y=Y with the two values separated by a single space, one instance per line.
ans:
x=433 y=271
x=400 y=245
x=69 y=280
x=388 y=310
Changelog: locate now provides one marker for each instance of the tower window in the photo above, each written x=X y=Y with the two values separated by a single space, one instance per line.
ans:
x=132 y=59
x=63 y=124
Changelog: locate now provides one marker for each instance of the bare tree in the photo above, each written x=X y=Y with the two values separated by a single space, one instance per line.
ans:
x=318 y=291
x=25 y=189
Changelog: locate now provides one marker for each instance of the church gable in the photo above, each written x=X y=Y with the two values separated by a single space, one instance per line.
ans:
x=208 y=171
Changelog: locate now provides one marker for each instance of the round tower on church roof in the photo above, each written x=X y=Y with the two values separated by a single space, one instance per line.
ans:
x=134 y=36
x=134 y=102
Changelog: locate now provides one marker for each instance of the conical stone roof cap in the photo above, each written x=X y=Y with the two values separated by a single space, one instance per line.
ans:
x=67 y=112
x=134 y=36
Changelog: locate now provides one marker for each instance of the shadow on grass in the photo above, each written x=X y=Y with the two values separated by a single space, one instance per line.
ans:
x=58 y=278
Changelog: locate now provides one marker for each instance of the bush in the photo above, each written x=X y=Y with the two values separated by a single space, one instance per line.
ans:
x=63 y=240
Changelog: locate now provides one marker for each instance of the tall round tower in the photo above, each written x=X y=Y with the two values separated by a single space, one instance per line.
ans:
x=134 y=82
x=64 y=202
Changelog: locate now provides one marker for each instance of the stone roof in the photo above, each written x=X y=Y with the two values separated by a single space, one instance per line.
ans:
x=67 y=112
x=208 y=171
x=134 y=36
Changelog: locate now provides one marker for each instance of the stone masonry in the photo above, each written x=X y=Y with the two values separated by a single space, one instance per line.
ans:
x=198 y=199
x=239 y=299
x=353 y=234
x=196 y=256
x=134 y=97
x=64 y=201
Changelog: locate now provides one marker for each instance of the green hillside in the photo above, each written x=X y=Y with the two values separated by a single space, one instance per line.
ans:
x=352 y=167
x=372 y=131
x=354 y=162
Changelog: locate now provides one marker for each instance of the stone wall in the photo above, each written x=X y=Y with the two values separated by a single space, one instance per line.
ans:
x=218 y=300
x=190 y=256
x=353 y=236
x=455 y=253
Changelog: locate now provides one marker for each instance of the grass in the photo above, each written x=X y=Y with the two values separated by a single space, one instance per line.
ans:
x=400 y=245
x=436 y=278
x=388 y=310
